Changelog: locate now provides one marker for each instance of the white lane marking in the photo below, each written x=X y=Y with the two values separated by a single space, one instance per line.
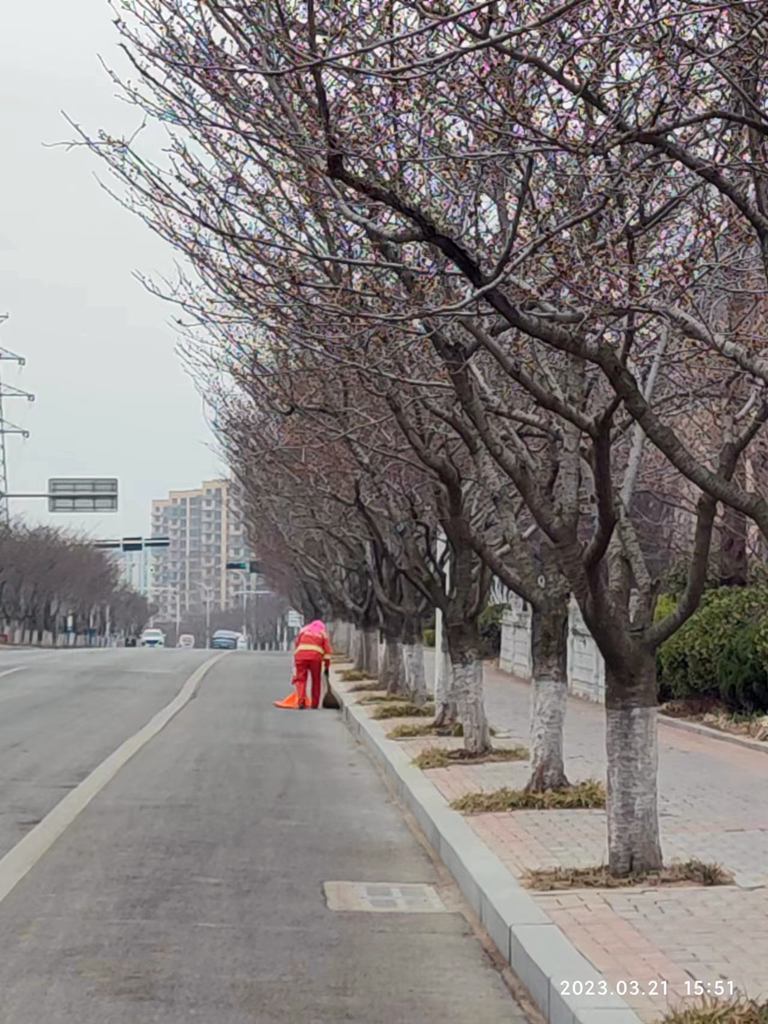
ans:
x=10 y=671
x=28 y=851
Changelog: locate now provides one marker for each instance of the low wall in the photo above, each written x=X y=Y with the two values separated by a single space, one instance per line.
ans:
x=586 y=668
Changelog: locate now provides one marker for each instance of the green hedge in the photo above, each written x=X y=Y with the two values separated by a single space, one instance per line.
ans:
x=721 y=652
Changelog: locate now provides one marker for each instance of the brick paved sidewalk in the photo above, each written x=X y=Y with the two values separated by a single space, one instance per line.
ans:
x=713 y=805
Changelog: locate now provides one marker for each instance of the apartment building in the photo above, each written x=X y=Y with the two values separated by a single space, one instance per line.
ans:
x=205 y=530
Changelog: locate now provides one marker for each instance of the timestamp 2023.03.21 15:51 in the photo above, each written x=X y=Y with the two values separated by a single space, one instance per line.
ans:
x=654 y=987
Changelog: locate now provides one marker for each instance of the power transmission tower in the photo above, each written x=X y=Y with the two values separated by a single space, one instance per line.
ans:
x=6 y=427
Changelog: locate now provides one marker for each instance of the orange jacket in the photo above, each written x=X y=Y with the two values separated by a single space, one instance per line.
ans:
x=313 y=641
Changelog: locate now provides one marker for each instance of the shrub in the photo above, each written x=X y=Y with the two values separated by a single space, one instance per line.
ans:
x=665 y=605
x=429 y=637
x=489 y=624
x=721 y=651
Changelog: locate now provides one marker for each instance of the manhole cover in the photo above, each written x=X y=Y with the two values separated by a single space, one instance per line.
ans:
x=384 y=897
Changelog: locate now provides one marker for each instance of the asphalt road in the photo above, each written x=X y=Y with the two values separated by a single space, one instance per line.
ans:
x=191 y=887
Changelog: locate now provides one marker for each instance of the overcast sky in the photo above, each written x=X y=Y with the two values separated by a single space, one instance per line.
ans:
x=112 y=398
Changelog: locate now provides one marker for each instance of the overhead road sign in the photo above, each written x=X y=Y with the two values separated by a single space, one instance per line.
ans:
x=82 y=494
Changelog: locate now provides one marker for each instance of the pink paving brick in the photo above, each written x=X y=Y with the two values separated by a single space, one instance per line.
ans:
x=713 y=799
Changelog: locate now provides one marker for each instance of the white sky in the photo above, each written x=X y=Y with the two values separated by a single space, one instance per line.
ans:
x=112 y=398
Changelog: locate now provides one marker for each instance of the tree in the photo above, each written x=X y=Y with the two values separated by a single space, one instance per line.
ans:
x=487 y=161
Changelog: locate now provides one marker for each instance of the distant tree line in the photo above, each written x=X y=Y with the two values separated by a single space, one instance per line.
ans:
x=51 y=579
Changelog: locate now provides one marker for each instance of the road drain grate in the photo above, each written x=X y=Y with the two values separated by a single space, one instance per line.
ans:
x=384 y=897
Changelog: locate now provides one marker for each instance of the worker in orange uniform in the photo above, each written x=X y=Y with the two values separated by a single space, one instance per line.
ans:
x=312 y=651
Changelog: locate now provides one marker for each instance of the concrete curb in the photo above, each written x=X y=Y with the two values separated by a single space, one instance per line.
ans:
x=674 y=723
x=535 y=948
x=713 y=734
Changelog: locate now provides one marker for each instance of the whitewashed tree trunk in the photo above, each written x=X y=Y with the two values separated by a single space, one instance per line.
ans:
x=416 y=681
x=392 y=671
x=356 y=652
x=468 y=691
x=344 y=638
x=549 y=695
x=371 y=651
x=387 y=668
x=632 y=752
x=446 y=711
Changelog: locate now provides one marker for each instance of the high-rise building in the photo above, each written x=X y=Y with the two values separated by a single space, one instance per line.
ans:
x=205 y=530
x=136 y=560
x=136 y=568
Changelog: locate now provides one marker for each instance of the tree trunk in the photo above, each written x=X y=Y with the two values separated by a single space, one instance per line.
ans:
x=346 y=634
x=416 y=681
x=370 y=651
x=549 y=695
x=446 y=711
x=387 y=668
x=467 y=674
x=632 y=751
x=468 y=690
x=733 y=566
x=392 y=673
x=357 y=653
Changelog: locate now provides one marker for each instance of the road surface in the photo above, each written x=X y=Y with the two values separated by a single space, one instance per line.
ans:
x=191 y=887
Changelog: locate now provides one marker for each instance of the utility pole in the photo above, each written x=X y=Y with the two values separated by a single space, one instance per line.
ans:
x=8 y=391
x=246 y=583
x=206 y=589
x=440 y=681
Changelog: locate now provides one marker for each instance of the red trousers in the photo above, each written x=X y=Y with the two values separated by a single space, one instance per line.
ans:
x=308 y=664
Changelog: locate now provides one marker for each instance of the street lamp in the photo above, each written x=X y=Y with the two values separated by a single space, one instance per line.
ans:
x=245 y=594
x=173 y=589
x=207 y=598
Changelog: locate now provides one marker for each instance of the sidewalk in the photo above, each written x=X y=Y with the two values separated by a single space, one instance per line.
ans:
x=713 y=806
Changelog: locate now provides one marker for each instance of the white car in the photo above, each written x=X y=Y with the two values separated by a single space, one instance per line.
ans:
x=152 y=638
x=186 y=640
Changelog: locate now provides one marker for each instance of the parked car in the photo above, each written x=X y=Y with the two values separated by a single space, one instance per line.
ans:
x=153 y=638
x=225 y=640
x=186 y=640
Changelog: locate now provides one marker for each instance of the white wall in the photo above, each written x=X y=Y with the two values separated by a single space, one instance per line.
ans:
x=586 y=668
x=515 y=656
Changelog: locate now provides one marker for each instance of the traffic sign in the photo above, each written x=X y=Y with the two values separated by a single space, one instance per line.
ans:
x=295 y=619
x=82 y=494
x=245 y=566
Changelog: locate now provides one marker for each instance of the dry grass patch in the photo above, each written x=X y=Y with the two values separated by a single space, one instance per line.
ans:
x=403 y=709
x=690 y=871
x=353 y=675
x=587 y=794
x=412 y=731
x=415 y=730
x=371 y=687
x=714 y=1011
x=439 y=757
x=383 y=698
